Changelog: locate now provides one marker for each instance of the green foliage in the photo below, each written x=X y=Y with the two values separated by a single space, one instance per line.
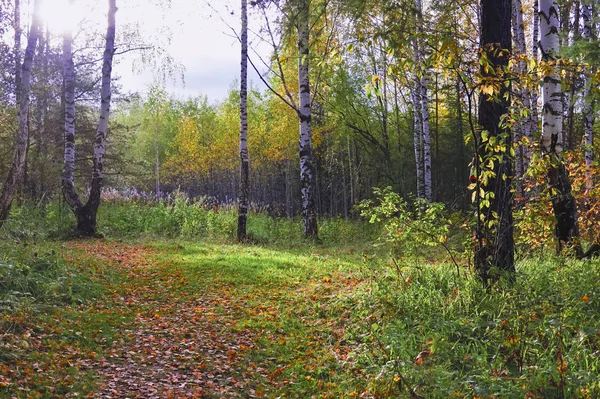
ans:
x=446 y=337
x=43 y=281
x=410 y=230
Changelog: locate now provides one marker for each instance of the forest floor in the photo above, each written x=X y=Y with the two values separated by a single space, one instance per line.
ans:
x=180 y=320
x=165 y=318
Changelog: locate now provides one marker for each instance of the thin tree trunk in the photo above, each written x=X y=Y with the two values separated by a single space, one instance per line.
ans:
x=587 y=111
x=497 y=250
x=156 y=154
x=523 y=127
x=534 y=119
x=17 y=49
x=307 y=171
x=424 y=108
x=563 y=202
x=417 y=141
x=244 y=163
x=68 y=185
x=15 y=174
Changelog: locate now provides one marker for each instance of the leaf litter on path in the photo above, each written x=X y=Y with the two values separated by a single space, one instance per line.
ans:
x=179 y=346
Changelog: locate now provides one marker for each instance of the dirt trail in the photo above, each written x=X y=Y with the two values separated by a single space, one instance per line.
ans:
x=181 y=344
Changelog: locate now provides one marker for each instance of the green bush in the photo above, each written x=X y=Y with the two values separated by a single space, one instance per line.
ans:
x=415 y=230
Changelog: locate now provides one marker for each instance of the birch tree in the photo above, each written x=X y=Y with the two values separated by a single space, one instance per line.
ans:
x=563 y=203
x=495 y=238
x=17 y=47
x=523 y=128
x=307 y=178
x=298 y=14
x=86 y=213
x=23 y=88
x=587 y=110
x=244 y=163
x=420 y=98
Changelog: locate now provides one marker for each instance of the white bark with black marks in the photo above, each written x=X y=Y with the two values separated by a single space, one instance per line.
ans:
x=424 y=106
x=588 y=123
x=17 y=47
x=552 y=94
x=86 y=214
x=68 y=184
x=534 y=120
x=563 y=202
x=244 y=161
x=307 y=177
x=524 y=126
x=17 y=168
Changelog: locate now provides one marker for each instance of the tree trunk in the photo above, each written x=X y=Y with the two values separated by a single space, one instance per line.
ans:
x=587 y=110
x=423 y=106
x=17 y=49
x=86 y=214
x=15 y=174
x=244 y=163
x=534 y=120
x=523 y=127
x=68 y=185
x=563 y=203
x=307 y=173
x=417 y=141
x=496 y=242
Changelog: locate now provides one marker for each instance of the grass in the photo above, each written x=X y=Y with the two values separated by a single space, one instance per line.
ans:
x=332 y=320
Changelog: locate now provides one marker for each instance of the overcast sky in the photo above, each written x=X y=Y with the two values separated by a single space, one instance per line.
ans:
x=190 y=31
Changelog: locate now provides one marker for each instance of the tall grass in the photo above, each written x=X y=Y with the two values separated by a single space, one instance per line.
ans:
x=441 y=336
x=178 y=218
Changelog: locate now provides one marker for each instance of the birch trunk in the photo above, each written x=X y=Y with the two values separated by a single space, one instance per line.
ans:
x=17 y=49
x=307 y=177
x=86 y=214
x=496 y=242
x=16 y=171
x=534 y=120
x=588 y=133
x=426 y=140
x=424 y=108
x=417 y=140
x=563 y=203
x=68 y=184
x=244 y=163
x=523 y=127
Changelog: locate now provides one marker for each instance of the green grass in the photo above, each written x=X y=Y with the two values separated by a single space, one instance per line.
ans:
x=331 y=320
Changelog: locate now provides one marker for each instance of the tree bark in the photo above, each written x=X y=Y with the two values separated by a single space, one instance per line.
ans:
x=68 y=184
x=523 y=127
x=17 y=49
x=244 y=163
x=563 y=203
x=587 y=110
x=497 y=242
x=534 y=120
x=307 y=172
x=86 y=214
x=15 y=174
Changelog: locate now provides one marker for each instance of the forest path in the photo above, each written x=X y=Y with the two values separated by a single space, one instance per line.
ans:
x=219 y=321
x=180 y=343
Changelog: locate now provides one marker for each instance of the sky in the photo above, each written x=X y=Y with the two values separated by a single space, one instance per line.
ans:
x=195 y=35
